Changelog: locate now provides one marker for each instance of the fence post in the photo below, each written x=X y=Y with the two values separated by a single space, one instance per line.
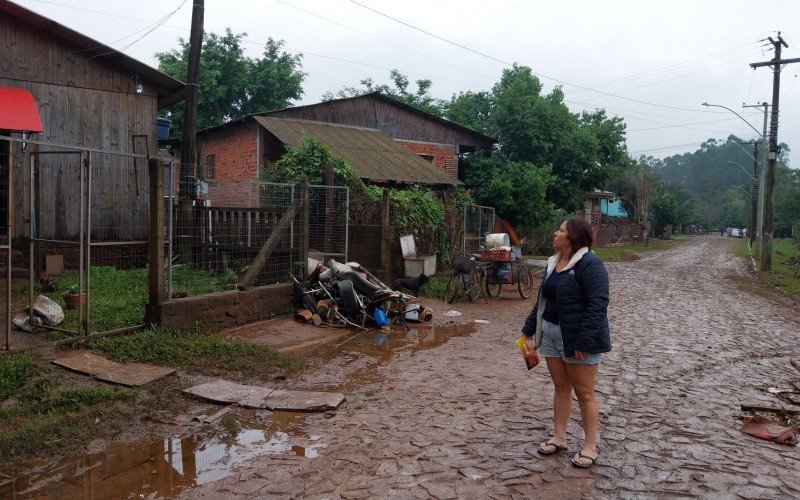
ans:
x=385 y=234
x=302 y=229
x=155 y=242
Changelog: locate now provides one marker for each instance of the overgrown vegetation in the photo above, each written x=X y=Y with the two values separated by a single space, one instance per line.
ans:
x=197 y=350
x=785 y=266
x=39 y=412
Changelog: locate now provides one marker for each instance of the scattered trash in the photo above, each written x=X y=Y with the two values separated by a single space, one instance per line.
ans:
x=764 y=428
x=349 y=295
x=223 y=391
x=452 y=314
x=46 y=312
x=482 y=321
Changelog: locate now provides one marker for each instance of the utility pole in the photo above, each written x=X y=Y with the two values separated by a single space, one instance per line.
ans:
x=760 y=180
x=754 y=196
x=769 y=188
x=188 y=142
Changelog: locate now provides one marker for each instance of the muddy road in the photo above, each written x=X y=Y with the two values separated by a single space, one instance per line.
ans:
x=695 y=334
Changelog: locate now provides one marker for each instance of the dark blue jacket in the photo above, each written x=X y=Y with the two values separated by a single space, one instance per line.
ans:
x=582 y=303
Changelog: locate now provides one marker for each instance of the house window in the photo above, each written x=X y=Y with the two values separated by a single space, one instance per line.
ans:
x=429 y=158
x=210 y=167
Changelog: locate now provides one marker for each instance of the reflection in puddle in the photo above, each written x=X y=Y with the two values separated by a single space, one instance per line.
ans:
x=162 y=467
x=383 y=344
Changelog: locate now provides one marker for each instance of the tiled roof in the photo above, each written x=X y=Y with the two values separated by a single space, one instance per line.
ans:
x=371 y=153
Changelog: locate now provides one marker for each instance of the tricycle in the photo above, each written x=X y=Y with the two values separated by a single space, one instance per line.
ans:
x=503 y=269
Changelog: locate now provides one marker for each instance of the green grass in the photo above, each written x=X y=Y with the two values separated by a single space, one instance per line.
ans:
x=785 y=266
x=435 y=287
x=119 y=295
x=39 y=412
x=197 y=350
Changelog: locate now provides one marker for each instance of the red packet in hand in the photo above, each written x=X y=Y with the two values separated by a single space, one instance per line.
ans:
x=531 y=356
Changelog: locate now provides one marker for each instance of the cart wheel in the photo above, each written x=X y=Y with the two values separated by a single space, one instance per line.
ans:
x=493 y=289
x=453 y=286
x=473 y=286
x=525 y=283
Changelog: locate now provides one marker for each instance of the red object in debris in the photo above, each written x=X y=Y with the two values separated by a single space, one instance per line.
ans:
x=764 y=428
x=18 y=111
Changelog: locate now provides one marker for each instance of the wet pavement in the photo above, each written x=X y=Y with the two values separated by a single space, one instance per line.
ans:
x=694 y=337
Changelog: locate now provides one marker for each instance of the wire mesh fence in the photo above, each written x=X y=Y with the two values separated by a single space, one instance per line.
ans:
x=248 y=233
x=478 y=222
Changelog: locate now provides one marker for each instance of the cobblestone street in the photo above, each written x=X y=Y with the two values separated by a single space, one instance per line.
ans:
x=694 y=335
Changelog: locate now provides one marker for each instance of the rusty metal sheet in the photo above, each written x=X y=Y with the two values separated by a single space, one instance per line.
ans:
x=127 y=374
x=223 y=391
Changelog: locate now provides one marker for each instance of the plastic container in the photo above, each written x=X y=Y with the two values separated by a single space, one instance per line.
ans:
x=496 y=255
x=495 y=240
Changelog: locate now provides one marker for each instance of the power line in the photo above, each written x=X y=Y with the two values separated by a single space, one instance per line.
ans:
x=564 y=82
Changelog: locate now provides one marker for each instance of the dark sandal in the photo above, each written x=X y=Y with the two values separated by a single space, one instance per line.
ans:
x=556 y=448
x=580 y=465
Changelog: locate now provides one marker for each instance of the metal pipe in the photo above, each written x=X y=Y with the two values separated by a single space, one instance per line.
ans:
x=10 y=216
x=33 y=230
x=53 y=343
x=170 y=227
x=72 y=149
x=81 y=225
x=346 y=222
x=89 y=239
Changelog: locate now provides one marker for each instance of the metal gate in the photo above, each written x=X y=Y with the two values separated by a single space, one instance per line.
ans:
x=478 y=222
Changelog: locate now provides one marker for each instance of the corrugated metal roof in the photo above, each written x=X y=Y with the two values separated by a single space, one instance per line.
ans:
x=372 y=154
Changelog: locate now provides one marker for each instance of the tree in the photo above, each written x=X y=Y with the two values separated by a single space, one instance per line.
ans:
x=517 y=190
x=673 y=207
x=420 y=98
x=231 y=84
x=471 y=109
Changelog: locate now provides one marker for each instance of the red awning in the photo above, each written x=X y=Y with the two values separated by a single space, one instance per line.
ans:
x=18 y=111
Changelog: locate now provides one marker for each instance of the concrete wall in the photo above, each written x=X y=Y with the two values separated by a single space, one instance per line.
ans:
x=225 y=309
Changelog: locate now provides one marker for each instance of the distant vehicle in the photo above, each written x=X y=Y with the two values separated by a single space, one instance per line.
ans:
x=735 y=233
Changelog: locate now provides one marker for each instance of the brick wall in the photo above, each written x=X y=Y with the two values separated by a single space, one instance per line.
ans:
x=235 y=152
x=440 y=152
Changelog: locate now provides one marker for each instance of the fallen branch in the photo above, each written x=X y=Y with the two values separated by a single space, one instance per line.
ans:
x=770 y=409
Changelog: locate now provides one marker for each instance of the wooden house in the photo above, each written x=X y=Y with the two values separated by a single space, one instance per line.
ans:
x=435 y=139
x=97 y=105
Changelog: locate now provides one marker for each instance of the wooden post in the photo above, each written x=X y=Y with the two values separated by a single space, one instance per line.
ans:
x=329 y=218
x=302 y=228
x=386 y=234
x=155 y=242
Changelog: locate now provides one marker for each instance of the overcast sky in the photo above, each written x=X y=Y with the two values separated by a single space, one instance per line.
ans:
x=655 y=62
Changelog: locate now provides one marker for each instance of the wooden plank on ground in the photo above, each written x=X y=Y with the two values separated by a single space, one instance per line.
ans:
x=223 y=391
x=128 y=374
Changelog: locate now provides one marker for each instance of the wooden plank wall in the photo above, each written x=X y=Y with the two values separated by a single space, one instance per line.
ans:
x=394 y=121
x=83 y=102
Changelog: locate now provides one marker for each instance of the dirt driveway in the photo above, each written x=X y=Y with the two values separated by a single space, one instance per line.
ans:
x=694 y=336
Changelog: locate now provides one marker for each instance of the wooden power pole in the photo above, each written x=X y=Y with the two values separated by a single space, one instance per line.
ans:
x=769 y=184
x=185 y=224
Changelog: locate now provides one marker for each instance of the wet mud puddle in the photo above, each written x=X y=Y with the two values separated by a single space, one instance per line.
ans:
x=164 y=467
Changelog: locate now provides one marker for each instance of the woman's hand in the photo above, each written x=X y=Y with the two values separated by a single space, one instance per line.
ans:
x=579 y=355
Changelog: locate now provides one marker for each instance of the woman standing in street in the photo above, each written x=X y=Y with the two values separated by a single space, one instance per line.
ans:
x=569 y=327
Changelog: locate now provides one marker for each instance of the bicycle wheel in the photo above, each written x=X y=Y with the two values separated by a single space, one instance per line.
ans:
x=474 y=284
x=453 y=287
x=525 y=283
x=493 y=288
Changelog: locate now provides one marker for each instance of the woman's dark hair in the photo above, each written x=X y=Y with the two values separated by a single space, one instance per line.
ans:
x=579 y=233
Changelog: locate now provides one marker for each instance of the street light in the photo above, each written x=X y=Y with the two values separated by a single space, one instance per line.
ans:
x=737 y=114
x=745 y=170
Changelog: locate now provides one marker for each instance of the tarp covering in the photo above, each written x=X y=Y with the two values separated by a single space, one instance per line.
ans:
x=18 y=110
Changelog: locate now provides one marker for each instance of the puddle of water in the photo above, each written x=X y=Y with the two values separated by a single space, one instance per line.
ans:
x=384 y=345
x=164 y=467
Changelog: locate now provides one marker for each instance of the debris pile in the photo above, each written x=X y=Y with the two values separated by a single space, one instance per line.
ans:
x=349 y=295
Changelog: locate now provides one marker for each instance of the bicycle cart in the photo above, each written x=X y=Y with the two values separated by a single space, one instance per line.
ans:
x=503 y=269
x=468 y=279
